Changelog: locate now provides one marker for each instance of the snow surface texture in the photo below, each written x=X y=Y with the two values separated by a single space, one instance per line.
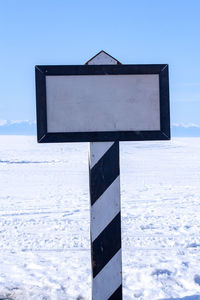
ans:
x=45 y=230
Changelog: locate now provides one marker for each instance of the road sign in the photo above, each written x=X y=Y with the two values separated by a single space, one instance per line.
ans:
x=103 y=102
x=93 y=103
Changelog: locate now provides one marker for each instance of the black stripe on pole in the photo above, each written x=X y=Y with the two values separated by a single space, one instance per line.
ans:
x=106 y=245
x=117 y=295
x=104 y=172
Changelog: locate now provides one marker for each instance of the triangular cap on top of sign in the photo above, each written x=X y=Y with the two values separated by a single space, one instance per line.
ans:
x=104 y=57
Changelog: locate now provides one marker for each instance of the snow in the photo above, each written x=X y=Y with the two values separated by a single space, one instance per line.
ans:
x=44 y=220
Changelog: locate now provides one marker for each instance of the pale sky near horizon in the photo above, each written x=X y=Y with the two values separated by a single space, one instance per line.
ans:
x=71 y=32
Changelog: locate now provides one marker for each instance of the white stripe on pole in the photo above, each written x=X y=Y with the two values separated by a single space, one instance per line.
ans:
x=105 y=208
x=98 y=150
x=108 y=279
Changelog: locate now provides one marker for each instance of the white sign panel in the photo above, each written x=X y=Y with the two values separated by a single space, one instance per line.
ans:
x=102 y=103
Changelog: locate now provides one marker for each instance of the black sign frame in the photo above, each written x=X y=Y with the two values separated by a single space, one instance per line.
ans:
x=102 y=136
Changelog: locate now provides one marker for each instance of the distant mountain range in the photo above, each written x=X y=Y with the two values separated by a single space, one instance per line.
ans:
x=27 y=127
x=184 y=130
x=18 y=127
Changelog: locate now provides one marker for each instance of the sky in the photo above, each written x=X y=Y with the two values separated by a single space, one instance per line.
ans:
x=65 y=32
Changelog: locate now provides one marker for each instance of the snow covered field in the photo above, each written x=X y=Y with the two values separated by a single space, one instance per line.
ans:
x=44 y=220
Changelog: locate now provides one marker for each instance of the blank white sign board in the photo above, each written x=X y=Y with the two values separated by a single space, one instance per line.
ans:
x=98 y=103
x=102 y=103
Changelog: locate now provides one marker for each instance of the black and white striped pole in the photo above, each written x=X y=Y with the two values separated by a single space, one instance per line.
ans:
x=103 y=102
x=104 y=174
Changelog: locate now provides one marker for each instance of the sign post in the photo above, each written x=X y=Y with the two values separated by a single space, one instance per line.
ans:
x=105 y=224
x=103 y=102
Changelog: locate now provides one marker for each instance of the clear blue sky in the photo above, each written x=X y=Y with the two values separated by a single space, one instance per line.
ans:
x=72 y=31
